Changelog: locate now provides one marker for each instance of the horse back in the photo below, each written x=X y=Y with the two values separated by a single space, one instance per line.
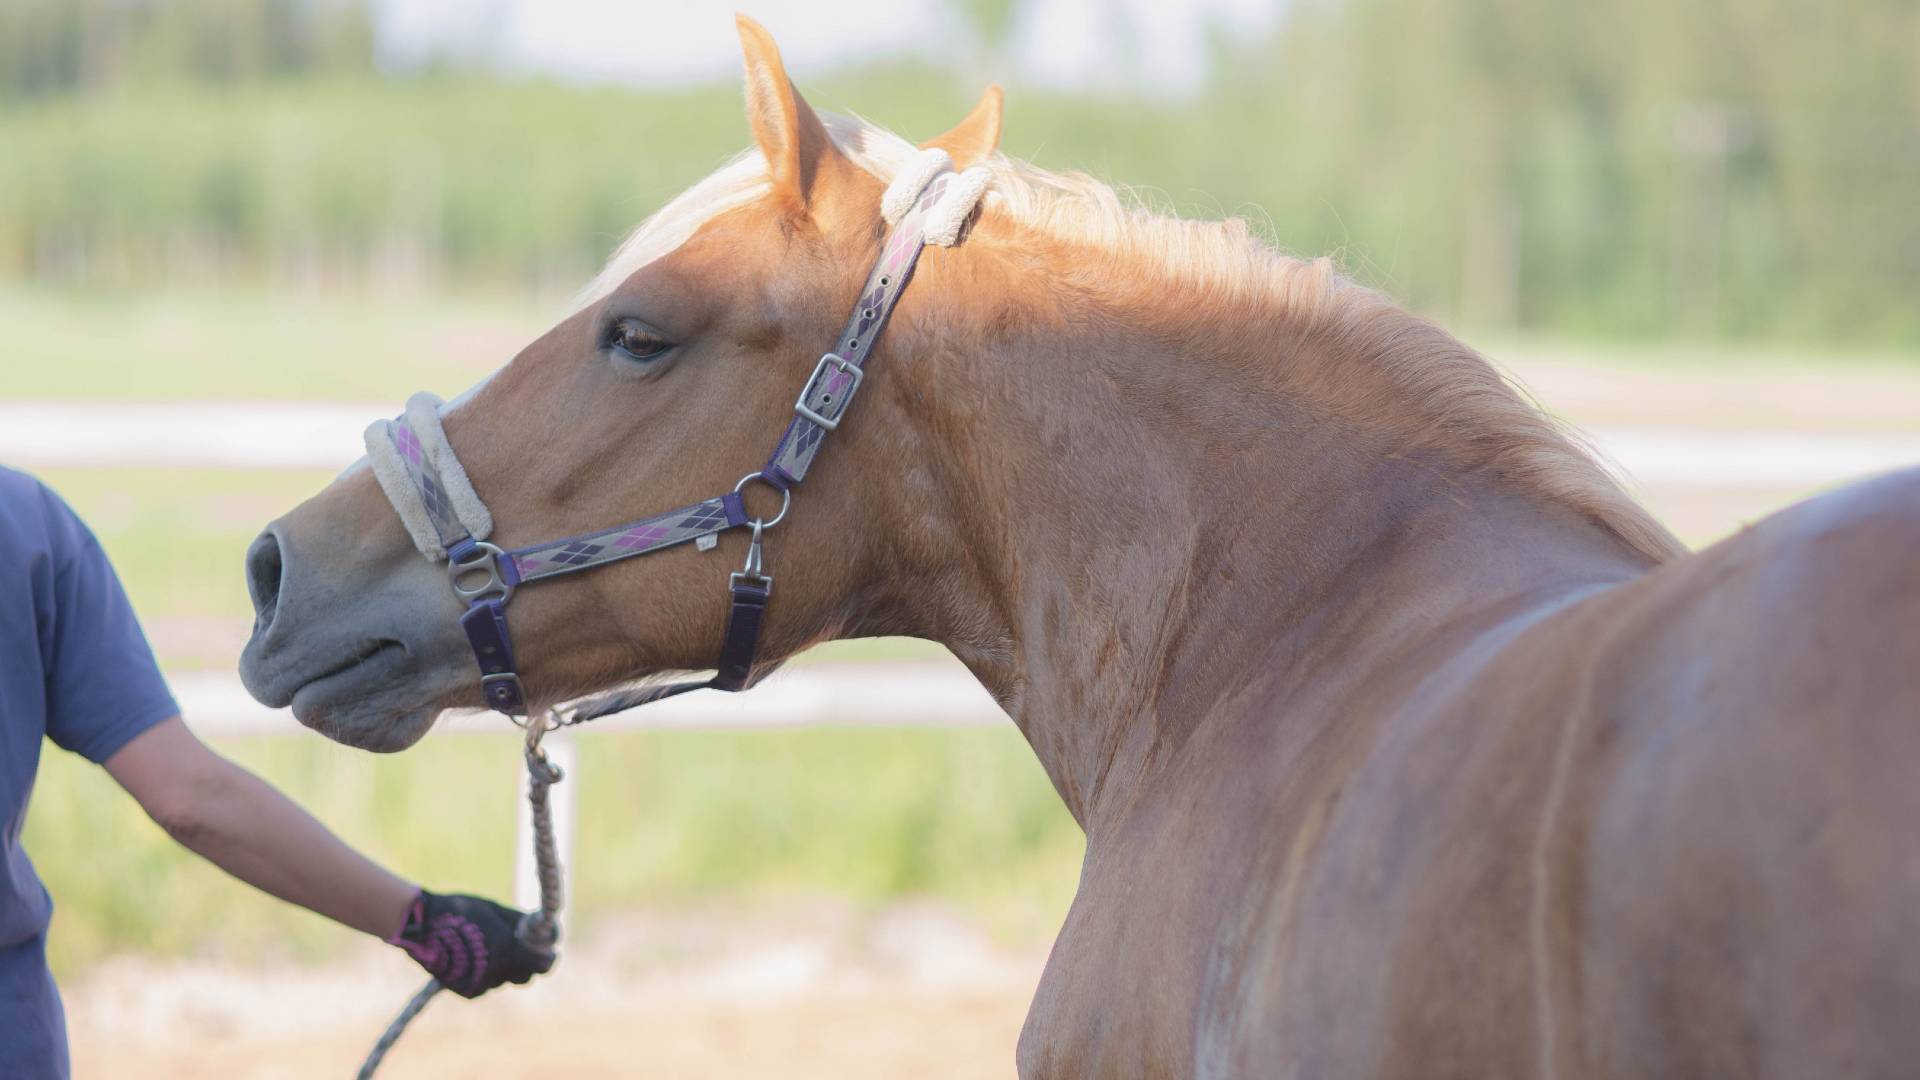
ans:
x=1666 y=830
x=1740 y=868
x=1663 y=830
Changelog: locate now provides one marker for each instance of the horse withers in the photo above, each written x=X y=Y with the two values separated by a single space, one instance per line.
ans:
x=1405 y=743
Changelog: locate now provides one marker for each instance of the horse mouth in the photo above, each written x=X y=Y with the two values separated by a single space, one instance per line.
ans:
x=352 y=701
x=365 y=656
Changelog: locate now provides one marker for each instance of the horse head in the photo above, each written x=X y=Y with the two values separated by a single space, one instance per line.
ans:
x=665 y=386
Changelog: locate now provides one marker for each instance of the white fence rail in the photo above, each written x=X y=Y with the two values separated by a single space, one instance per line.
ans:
x=290 y=435
x=912 y=693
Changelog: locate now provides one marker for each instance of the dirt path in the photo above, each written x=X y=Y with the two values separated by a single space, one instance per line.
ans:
x=886 y=1032
x=822 y=993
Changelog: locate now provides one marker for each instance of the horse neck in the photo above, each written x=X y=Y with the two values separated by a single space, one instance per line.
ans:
x=1118 y=529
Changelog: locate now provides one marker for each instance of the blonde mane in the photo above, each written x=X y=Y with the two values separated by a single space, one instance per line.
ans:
x=1441 y=394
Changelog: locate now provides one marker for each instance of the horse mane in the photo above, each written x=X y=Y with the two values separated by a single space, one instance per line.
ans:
x=1433 y=391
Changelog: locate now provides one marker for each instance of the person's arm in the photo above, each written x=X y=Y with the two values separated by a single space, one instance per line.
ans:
x=240 y=824
x=107 y=702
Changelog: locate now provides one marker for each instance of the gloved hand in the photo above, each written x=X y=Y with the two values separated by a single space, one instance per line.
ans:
x=468 y=943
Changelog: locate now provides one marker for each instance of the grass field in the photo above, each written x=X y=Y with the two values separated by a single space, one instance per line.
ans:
x=141 y=346
x=667 y=819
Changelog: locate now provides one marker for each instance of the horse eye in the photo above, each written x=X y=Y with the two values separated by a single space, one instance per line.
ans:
x=636 y=340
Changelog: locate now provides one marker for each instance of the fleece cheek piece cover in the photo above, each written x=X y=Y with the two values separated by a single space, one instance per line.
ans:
x=951 y=212
x=390 y=468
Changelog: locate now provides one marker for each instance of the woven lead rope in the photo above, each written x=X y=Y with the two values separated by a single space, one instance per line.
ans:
x=394 y=1030
x=539 y=929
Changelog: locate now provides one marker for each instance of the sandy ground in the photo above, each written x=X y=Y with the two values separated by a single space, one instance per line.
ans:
x=949 y=1035
x=910 y=992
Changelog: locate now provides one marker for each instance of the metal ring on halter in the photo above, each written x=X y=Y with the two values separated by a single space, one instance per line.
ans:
x=786 y=496
x=485 y=559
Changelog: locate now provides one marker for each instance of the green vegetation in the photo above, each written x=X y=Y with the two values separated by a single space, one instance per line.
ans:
x=1719 y=168
x=1612 y=169
x=50 y=47
x=255 y=346
x=667 y=819
x=177 y=536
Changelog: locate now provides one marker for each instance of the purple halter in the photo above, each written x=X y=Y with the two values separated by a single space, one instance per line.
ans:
x=485 y=576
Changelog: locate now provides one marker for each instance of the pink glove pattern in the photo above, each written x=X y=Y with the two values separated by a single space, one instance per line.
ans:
x=468 y=943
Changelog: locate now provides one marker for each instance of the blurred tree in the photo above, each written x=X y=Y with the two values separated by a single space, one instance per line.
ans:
x=1716 y=167
x=1618 y=167
x=57 y=46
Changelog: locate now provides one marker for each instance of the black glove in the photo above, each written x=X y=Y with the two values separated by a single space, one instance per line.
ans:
x=468 y=943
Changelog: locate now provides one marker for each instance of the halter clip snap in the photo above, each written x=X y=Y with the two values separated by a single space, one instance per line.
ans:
x=755 y=571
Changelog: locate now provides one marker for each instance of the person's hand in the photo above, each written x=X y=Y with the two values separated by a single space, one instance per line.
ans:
x=468 y=943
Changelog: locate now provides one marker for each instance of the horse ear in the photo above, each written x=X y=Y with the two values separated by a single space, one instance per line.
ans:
x=793 y=139
x=975 y=137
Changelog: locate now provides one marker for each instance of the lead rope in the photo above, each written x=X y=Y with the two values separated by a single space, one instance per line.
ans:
x=538 y=929
x=541 y=929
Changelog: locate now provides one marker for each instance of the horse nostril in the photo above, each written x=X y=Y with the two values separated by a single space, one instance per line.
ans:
x=263 y=579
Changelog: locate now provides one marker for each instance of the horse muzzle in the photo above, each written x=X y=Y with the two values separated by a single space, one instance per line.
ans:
x=350 y=659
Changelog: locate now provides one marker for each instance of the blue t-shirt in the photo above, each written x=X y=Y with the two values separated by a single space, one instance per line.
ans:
x=75 y=668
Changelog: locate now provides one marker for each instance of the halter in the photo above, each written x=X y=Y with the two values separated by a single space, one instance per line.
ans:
x=423 y=479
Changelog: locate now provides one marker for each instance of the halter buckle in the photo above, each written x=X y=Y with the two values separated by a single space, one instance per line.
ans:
x=833 y=360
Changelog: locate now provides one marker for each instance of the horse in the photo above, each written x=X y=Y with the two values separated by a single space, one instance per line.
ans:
x=1405 y=743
